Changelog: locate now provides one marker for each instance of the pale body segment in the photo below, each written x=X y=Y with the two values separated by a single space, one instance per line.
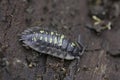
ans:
x=52 y=43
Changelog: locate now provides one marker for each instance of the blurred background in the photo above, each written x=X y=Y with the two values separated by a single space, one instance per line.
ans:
x=97 y=21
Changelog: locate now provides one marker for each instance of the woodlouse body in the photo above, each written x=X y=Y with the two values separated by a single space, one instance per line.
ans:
x=52 y=43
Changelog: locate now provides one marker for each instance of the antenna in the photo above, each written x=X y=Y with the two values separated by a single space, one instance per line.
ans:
x=81 y=44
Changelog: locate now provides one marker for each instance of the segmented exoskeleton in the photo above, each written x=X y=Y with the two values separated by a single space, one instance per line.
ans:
x=51 y=43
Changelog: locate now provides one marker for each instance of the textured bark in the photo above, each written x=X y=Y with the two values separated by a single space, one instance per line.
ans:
x=101 y=61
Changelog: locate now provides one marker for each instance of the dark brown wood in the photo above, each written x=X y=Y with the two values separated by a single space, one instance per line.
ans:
x=101 y=61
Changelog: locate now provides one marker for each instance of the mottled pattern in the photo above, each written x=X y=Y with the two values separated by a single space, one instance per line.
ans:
x=50 y=42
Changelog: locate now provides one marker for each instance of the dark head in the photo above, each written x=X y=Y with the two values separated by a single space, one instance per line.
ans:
x=78 y=50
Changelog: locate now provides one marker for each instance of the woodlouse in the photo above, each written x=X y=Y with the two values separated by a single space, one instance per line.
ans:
x=51 y=43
